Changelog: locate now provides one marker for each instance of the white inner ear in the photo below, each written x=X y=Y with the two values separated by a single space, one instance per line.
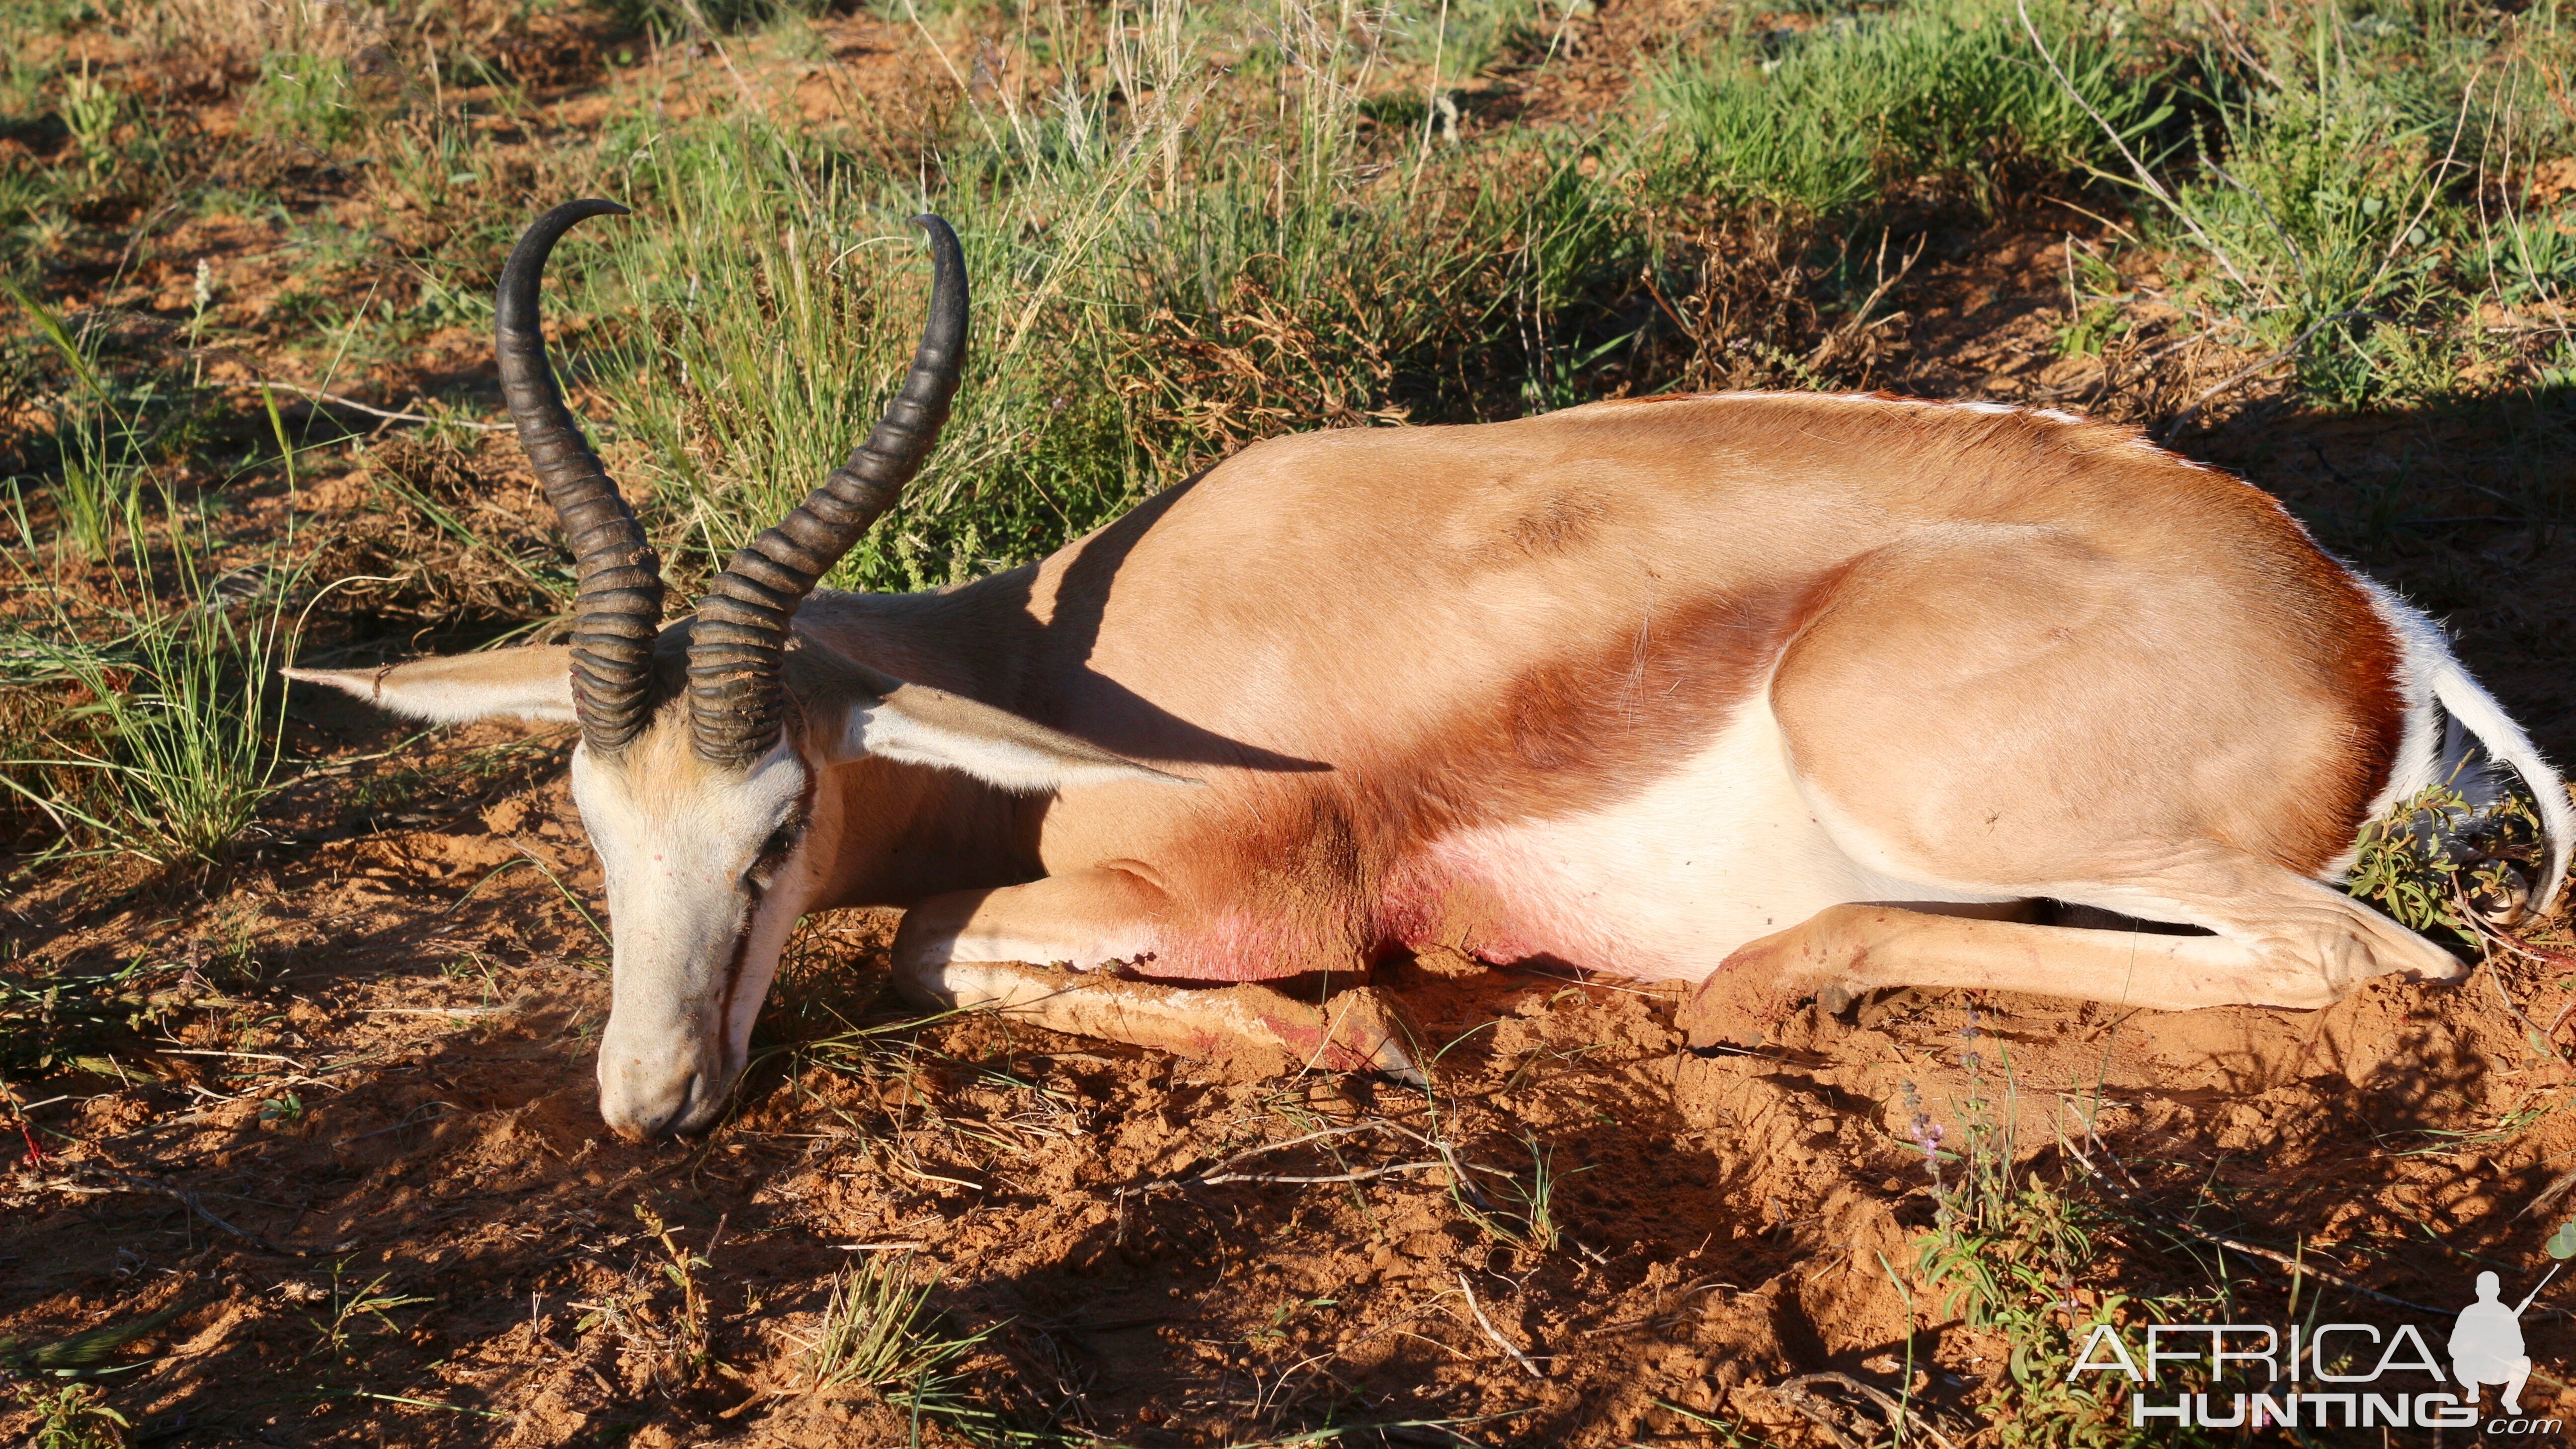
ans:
x=921 y=726
x=531 y=683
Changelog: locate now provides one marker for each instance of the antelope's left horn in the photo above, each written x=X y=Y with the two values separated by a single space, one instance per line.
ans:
x=617 y=603
x=740 y=638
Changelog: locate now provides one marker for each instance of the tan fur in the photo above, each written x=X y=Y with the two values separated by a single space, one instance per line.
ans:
x=2029 y=624
x=1503 y=689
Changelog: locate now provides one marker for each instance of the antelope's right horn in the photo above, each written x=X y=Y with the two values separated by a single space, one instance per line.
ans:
x=617 y=607
x=739 y=641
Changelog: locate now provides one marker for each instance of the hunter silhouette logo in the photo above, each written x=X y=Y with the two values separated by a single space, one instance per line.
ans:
x=2486 y=1343
x=2332 y=1375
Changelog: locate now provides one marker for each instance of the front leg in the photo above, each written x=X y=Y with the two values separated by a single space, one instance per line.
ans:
x=1047 y=953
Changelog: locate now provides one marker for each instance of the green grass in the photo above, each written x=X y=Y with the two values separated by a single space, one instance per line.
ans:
x=2339 y=186
x=878 y=1334
x=1946 y=98
x=2359 y=185
x=308 y=97
x=1150 y=293
x=164 y=740
x=169 y=742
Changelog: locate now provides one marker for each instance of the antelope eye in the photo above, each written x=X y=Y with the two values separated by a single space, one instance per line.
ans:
x=773 y=853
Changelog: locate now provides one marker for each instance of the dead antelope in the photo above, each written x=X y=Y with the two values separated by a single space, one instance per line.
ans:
x=1791 y=696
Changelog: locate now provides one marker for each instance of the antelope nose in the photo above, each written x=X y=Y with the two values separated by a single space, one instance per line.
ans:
x=656 y=1107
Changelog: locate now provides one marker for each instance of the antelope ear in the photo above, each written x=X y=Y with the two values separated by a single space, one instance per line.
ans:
x=919 y=725
x=534 y=683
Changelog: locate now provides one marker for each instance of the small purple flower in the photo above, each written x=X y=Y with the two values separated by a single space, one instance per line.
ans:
x=1927 y=1135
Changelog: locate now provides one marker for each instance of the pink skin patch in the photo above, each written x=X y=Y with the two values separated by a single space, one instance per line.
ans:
x=1488 y=904
x=1498 y=909
x=1237 y=946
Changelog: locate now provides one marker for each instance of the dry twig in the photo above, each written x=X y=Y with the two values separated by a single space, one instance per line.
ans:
x=189 y=1200
x=337 y=401
x=1494 y=1333
x=1794 y=1393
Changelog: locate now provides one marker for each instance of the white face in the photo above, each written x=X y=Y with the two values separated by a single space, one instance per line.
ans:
x=708 y=872
x=709 y=868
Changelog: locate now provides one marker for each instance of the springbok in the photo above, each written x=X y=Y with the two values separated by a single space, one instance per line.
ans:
x=1790 y=696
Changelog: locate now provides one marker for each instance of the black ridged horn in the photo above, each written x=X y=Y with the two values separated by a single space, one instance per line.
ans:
x=618 y=606
x=740 y=637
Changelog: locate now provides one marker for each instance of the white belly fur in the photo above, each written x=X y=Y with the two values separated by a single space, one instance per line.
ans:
x=1665 y=884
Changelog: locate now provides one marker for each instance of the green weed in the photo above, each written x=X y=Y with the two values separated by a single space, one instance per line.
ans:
x=2434 y=850
x=22 y=80
x=682 y=1269
x=352 y=1306
x=2010 y=1252
x=71 y=1417
x=57 y=1021
x=1835 y=121
x=304 y=96
x=100 y=446
x=91 y=111
x=173 y=741
x=877 y=1332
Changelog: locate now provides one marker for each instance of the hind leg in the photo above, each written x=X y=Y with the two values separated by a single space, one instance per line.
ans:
x=2279 y=939
x=2022 y=716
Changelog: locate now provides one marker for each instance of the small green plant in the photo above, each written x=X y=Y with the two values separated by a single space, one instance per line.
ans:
x=306 y=97
x=284 y=1107
x=2434 y=850
x=174 y=742
x=1276 y=1330
x=2095 y=313
x=2008 y=1252
x=682 y=1270
x=1539 y=1230
x=71 y=1417
x=2402 y=866
x=351 y=1306
x=100 y=446
x=876 y=1332
x=58 y=1021
x=22 y=80
x=91 y=111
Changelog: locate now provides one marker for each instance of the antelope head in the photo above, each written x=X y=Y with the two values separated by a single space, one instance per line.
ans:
x=705 y=745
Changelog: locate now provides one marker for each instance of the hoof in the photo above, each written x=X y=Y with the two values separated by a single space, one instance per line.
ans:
x=1758 y=987
x=1350 y=1031
x=1734 y=1007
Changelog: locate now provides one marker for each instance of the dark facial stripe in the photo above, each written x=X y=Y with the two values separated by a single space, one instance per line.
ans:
x=756 y=888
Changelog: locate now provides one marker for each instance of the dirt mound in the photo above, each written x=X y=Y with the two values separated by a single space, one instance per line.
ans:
x=386 y=1210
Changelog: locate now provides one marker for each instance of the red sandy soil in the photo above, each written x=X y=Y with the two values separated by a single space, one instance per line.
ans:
x=374 y=1083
